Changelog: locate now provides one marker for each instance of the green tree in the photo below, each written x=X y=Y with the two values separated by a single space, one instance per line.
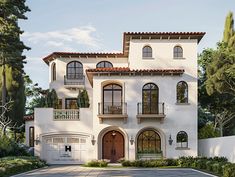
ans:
x=208 y=131
x=228 y=28
x=11 y=58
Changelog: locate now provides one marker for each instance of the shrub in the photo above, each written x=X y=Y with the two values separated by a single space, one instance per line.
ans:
x=126 y=163
x=14 y=165
x=10 y=148
x=220 y=159
x=172 y=162
x=97 y=163
x=229 y=170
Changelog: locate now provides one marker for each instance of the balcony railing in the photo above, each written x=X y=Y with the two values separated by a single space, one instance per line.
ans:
x=112 y=110
x=153 y=110
x=78 y=80
x=66 y=114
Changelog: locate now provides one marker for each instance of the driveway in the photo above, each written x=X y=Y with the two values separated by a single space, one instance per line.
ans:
x=75 y=171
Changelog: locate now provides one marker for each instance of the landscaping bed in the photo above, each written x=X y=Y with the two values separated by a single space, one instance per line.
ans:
x=217 y=165
x=14 y=165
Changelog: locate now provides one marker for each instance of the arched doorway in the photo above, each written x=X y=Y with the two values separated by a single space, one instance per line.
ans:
x=113 y=146
x=149 y=143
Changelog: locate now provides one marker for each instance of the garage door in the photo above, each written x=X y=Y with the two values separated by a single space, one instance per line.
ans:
x=65 y=149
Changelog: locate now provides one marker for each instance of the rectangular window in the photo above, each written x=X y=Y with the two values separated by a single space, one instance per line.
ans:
x=31 y=136
x=71 y=103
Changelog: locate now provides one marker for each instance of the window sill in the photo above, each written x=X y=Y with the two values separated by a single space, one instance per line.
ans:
x=182 y=103
x=179 y=58
x=147 y=58
x=182 y=148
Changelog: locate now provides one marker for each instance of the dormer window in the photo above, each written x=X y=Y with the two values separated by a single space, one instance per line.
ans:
x=178 y=52
x=147 y=52
x=104 y=64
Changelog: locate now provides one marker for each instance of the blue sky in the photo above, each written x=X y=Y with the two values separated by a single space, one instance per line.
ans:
x=98 y=25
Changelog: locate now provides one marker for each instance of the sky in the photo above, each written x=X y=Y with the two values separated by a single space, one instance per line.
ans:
x=98 y=25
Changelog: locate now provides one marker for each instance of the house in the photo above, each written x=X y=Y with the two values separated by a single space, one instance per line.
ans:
x=143 y=102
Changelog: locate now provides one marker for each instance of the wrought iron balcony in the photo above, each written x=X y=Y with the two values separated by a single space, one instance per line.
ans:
x=108 y=110
x=74 y=80
x=153 y=111
x=66 y=114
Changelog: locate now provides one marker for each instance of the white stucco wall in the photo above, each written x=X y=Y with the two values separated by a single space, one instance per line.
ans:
x=222 y=146
x=178 y=117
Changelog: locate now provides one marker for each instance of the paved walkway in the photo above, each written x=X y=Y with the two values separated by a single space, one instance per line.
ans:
x=75 y=171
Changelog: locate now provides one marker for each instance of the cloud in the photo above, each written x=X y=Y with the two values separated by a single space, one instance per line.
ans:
x=65 y=39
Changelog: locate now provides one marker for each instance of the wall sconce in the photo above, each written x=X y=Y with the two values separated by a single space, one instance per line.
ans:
x=131 y=140
x=170 y=140
x=37 y=140
x=93 y=140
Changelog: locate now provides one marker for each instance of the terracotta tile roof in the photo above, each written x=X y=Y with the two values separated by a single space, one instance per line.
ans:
x=53 y=55
x=28 y=117
x=164 y=33
x=127 y=36
x=126 y=69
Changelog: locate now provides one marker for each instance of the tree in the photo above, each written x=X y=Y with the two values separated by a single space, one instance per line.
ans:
x=11 y=58
x=228 y=28
x=208 y=131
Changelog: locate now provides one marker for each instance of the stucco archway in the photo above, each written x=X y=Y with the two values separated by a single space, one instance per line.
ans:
x=159 y=132
x=108 y=129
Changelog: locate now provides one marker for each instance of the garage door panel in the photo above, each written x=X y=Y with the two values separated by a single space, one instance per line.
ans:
x=65 y=149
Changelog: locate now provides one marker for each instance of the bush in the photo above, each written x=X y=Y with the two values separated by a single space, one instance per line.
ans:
x=10 y=148
x=14 y=165
x=97 y=163
x=229 y=170
x=150 y=163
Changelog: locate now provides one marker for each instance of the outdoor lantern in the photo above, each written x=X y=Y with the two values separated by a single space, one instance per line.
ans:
x=37 y=140
x=170 y=140
x=93 y=140
x=131 y=140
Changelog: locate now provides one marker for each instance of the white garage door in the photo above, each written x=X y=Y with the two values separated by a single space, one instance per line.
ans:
x=65 y=149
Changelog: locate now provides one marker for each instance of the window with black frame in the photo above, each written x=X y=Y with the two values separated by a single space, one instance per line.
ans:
x=150 y=99
x=104 y=64
x=147 y=52
x=178 y=52
x=149 y=142
x=182 y=139
x=71 y=103
x=182 y=92
x=74 y=70
x=31 y=136
x=112 y=99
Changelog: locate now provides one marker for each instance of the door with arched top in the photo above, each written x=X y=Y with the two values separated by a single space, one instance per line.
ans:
x=113 y=146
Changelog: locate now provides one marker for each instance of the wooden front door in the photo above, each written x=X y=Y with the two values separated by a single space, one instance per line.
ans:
x=113 y=146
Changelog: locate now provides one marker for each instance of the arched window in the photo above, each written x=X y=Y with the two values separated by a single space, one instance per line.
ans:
x=150 y=99
x=147 y=52
x=149 y=142
x=112 y=99
x=182 y=92
x=104 y=64
x=31 y=136
x=178 y=52
x=182 y=139
x=53 y=72
x=74 y=70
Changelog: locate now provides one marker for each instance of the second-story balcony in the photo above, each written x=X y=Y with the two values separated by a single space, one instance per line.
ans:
x=148 y=110
x=74 y=81
x=66 y=114
x=112 y=110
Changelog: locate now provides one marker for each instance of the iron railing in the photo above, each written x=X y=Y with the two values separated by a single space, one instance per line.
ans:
x=112 y=108
x=78 y=80
x=150 y=108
